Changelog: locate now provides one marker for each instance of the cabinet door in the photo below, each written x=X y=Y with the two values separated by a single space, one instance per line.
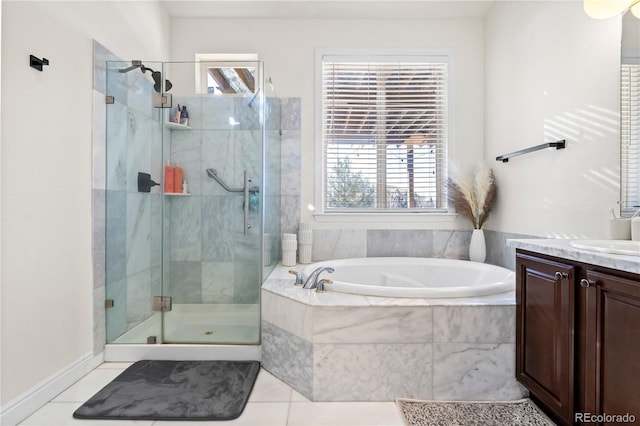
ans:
x=544 y=332
x=613 y=345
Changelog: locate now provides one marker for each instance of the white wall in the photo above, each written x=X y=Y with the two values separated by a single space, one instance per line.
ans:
x=46 y=175
x=631 y=34
x=553 y=73
x=0 y=199
x=287 y=47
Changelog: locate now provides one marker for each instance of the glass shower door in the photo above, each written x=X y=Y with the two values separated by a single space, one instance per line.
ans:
x=133 y=219
x=213 y=230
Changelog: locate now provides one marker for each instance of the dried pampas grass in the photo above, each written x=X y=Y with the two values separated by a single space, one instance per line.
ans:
x=473 y=198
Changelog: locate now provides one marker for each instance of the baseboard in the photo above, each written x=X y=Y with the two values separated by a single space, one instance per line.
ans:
x=35 y=398
x=134 y=352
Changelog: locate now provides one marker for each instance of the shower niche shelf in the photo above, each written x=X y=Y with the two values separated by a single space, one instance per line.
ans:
x=177 y=194
x=176 y=126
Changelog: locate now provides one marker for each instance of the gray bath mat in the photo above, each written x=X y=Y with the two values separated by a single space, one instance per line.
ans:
x=522 y=412
x=175 y=390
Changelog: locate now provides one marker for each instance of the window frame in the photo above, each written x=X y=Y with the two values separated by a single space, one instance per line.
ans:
x=384 y=215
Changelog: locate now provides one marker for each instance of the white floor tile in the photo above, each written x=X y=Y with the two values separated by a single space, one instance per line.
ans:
x=268 y=388
x=263 y=414
x=119 y=365
x=344 y=414
x=272 y=403
x=61 y=414
x=89 y=385
x=298 y=397
x=254 y=414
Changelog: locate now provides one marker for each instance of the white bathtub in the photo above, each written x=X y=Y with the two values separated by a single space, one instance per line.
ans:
x=415 y=277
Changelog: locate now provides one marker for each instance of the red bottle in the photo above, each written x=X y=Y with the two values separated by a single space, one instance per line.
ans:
x=168 y=178
x=178 y=177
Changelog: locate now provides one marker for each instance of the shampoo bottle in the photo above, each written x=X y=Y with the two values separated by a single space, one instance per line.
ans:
x=178 y=177
x=184 y=116
x=176 y=116
x=168 y=178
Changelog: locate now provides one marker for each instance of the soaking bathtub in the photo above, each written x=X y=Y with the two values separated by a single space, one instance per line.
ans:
x=414 y=277
x=339 y=346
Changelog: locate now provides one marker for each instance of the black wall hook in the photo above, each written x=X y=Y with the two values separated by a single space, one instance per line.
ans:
x=37 y=63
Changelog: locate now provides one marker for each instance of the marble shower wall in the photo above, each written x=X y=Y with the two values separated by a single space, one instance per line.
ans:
x=205 y=228
x=291 y=165
x=210 y=260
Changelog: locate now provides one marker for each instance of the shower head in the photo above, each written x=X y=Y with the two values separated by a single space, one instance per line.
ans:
x=156 y=75
x=157 y=79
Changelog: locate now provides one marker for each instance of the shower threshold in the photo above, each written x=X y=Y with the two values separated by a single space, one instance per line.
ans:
x=193 y=332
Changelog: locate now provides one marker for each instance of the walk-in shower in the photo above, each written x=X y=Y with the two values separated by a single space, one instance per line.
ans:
x=185 y=267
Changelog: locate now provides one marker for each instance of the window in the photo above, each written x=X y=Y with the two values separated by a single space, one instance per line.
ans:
x=383 y=132
x=630 y=136
x=227 y=73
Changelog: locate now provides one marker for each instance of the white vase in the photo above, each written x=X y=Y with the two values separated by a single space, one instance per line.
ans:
x=477 y=247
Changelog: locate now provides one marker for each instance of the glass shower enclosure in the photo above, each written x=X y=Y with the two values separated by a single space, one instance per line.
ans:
x=192 y=200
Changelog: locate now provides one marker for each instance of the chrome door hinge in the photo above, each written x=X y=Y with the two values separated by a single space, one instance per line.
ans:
x=161 y=303
x=162 y=100
x=109 y=99
x=109 y=303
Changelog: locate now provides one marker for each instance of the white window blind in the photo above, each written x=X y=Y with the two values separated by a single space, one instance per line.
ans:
x=384 y=133
x=630 y=138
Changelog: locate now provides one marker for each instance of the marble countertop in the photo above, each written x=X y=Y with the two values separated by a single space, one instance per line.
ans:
x=561 y=248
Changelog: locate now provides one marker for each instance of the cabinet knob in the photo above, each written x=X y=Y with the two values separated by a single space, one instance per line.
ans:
x=561 y=275
x=586 y=283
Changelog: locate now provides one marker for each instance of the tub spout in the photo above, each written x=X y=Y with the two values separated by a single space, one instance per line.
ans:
x=312 y=279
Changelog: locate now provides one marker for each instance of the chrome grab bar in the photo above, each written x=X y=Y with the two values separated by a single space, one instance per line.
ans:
x=213 y=173
x=246 y=203
x=246 y=190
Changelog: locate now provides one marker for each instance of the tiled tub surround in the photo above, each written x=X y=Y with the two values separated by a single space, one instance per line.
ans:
x=331 y=244
x=342 y=347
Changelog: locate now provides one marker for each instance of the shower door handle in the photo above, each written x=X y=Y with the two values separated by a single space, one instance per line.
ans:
x=246 y=203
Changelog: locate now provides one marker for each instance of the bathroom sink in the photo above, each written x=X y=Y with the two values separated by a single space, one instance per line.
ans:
x=609 y=246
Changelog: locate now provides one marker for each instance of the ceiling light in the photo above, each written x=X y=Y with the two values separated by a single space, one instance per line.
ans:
x=602 y=9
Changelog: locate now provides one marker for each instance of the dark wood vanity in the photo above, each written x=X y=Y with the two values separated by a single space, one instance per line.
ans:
x=578 y=337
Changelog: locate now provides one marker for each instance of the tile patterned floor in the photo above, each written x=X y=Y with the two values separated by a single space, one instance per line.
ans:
x=272 y=403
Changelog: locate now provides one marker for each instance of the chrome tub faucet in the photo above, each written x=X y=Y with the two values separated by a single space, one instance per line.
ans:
x=312 y=279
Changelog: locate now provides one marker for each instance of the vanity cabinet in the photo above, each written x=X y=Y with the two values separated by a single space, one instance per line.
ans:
x=545 y=331
x=612 y=344
x=577 y=337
